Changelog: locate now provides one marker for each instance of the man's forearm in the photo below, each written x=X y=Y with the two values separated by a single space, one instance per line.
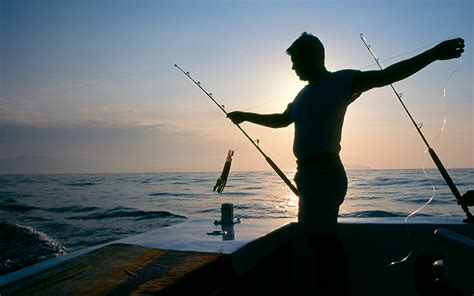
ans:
x=406 y=68
x=446 y=50
x=269 y=120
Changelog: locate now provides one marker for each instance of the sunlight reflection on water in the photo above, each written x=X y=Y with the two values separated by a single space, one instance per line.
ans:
x=89 y=208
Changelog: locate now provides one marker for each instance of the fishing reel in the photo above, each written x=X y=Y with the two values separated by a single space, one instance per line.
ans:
x=467 y=200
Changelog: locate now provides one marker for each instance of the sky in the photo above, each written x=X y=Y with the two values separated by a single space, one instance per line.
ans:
x=90 y=86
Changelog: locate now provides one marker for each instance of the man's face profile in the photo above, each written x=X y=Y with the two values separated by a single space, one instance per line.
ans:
x=299 y=66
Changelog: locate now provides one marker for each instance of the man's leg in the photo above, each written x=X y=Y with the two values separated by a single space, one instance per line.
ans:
x=329 y=263
x=322 y=190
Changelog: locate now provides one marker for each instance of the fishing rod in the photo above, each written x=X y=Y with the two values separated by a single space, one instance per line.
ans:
x=268 y=159
x=432 y=153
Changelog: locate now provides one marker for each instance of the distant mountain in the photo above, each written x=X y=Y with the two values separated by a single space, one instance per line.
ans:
x=32 y=164
x=356 y=167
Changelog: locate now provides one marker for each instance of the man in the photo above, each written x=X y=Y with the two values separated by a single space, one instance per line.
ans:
x=318 y=113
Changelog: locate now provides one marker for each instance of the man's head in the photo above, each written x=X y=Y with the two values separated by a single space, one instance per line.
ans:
x=307 y=56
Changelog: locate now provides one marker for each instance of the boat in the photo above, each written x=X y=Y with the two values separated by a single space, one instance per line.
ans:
x=257 y=257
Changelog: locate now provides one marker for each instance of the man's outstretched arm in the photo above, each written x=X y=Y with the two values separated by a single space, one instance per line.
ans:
x=276 y=120
x=446 y=50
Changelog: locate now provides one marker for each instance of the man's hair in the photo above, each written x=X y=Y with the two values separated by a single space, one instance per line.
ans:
x=305 y=45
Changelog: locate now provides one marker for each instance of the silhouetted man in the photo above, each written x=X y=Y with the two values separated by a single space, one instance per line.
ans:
x=318 y=114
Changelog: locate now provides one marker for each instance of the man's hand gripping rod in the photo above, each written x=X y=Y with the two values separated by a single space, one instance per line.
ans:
x=268 y=159
x=462 y=200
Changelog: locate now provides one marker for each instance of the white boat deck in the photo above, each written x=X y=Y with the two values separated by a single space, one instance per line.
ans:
x=195 y=235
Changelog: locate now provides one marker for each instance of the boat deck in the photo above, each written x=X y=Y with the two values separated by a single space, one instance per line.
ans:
x=195 y=255
x=254 y=257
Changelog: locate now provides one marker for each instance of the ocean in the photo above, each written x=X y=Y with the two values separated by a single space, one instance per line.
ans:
x=62 y=213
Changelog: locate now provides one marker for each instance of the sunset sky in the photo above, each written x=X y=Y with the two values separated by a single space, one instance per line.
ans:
x=91 y=85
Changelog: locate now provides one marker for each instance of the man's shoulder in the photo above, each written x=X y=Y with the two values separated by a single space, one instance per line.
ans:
x=342 y=81
x=345 y=72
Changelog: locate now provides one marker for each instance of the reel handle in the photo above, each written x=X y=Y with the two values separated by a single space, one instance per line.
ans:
x=467 y=199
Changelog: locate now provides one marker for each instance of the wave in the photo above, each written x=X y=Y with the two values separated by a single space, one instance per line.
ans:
x=246 y=206
x=370 y=197
x=176 y=194
x=259 y=216
x=124 y=212
x=241 y=193
x=35 y=219
x=423 y=200
x=171 y=194
x=212 y=210
x=17 y=207
x=163 y=194
x=180 y=183
x=10 y=195
x=373 y=214
x=383 y=181
x=72 y=209
x=253 y=188
x=23 y=245
x=81 y=184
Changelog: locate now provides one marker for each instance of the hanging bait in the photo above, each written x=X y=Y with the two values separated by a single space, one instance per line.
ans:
x=272 y=164
x=222 y=181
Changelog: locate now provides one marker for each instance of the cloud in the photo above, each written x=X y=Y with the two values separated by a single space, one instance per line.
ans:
x=98 y=146
x=32 y=164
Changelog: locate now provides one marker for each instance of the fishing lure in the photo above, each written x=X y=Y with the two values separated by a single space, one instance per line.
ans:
x=270 y=162
x=222 y=180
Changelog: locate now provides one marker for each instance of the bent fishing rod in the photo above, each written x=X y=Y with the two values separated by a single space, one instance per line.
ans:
x=432 y=153
x=272 y=164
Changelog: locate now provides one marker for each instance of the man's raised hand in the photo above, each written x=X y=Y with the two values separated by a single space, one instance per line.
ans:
x=448 y=49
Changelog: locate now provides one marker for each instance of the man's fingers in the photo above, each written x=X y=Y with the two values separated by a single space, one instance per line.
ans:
x=458 y=43
x=449 y=49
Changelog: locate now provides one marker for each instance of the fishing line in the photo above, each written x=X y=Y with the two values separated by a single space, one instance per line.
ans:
x=86 y=84
x=286 y=166
x=433 y=194
x=432 y=153
x=441 y=131
x=407 y=53
x=433 y=187
x=270 y=162
x=263 y=104
x=261 y=145
x=445 y=88
x=410 y=238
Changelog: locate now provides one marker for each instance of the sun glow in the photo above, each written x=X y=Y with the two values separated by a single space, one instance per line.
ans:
x=107 y=99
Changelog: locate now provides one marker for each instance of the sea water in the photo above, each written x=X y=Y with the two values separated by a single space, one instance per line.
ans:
x=74 y=211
